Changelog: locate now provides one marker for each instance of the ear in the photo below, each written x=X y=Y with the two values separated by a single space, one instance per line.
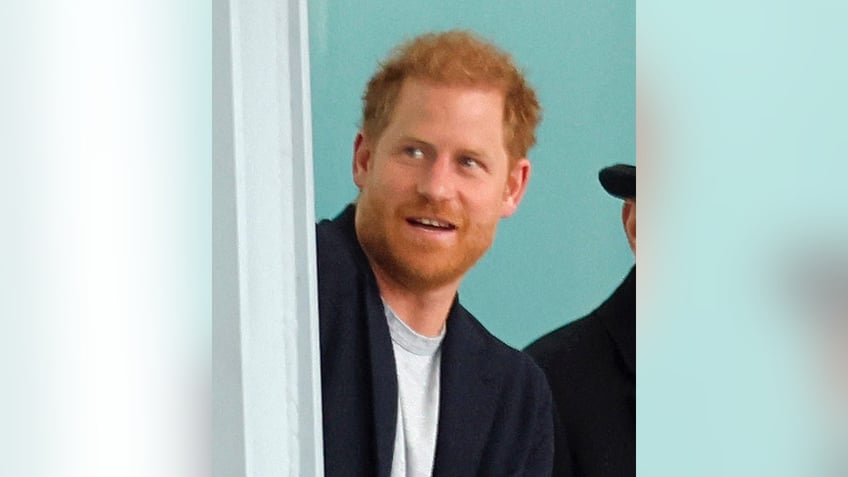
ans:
x=628 y=217
x=516 y=184
x=361 y=159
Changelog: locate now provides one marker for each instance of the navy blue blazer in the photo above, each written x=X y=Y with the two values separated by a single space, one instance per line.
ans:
x=591 y=366
x=495 y=410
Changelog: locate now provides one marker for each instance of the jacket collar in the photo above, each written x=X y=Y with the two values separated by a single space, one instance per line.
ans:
x=618 y=315
x=384 y=387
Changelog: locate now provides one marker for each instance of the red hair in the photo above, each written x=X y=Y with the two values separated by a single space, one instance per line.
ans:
x=455 y=58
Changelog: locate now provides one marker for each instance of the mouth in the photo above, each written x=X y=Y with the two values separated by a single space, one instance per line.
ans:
x=431 y=224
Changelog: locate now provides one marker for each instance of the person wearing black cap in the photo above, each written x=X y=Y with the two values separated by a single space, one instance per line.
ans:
x=590 y=364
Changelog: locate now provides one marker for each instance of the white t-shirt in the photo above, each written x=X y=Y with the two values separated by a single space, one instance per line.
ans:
x=418 y=361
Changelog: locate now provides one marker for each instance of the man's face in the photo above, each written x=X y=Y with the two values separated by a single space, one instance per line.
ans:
x=434 y=184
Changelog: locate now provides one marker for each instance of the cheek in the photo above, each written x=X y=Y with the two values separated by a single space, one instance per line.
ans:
x=379 y=180
x=486 y=207
x=393 y=182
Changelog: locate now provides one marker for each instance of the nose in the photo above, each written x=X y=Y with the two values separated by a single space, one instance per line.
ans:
x=436 y=182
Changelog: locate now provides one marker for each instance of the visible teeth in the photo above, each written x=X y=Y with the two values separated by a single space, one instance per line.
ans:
x=434 y=223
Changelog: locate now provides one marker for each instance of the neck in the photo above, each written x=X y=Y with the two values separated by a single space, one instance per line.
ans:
x=424 y=311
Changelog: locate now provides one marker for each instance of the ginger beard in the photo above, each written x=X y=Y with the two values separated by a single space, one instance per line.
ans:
x=415 y=263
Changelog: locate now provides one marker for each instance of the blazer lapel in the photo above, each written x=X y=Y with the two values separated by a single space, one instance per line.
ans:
x=384 y=387
x=384 y=381
x=467 y=406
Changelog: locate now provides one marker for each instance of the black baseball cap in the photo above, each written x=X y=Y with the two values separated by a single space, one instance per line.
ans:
x=619 y=180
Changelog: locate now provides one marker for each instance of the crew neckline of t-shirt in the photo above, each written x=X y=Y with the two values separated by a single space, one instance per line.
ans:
x=409 y=339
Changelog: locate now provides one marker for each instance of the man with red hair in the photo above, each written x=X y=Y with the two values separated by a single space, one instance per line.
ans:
x=412 y=383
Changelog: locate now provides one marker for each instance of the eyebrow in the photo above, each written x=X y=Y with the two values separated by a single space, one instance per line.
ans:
x=415 y=140
x=474 y=153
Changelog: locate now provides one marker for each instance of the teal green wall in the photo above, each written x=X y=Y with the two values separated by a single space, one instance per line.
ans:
x=564 y=250
x=742 y=366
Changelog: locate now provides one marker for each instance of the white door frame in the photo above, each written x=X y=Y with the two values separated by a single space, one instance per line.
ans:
x=266 y=369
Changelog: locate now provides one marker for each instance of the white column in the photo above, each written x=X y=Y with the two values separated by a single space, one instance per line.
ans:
x=267 y=404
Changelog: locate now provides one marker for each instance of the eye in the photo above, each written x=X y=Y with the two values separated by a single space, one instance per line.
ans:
x=469 y=162
x=414 y=152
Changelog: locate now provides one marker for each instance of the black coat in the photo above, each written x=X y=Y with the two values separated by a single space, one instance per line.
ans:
x=495 y=411
x=591 y=367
